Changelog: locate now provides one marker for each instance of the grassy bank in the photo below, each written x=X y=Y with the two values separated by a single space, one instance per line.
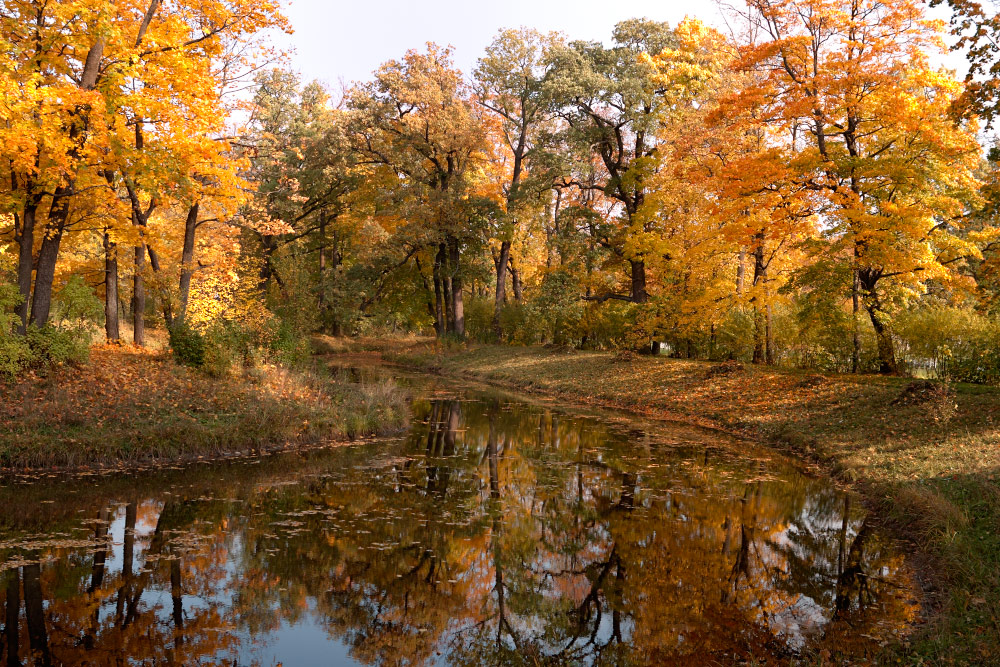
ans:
x=927 y=457
x=129 y=406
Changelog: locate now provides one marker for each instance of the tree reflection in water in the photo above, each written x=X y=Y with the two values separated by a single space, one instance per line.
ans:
x=495 y=532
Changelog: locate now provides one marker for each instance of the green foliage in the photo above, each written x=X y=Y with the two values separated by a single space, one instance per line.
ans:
x=479 y=319
x=187 y=345
x=952 y=343
x=53 y=345
x=606 y=326
x=559 y=308
x=40 y=348
x=517 y=323
x=77 y=306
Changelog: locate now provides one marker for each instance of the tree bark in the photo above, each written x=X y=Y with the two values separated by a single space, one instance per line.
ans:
x=111 y=329
x=515 y=282
x=639 y=293
x=439 y=321
x=867 y=280
x=48 y=254
x=457 y=306
x=139 y=297
x=187 y=260
x=500 y=295
x=26 y=259
x=855 y=328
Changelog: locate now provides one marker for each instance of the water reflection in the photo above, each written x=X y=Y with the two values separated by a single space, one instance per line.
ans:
x=496 y=532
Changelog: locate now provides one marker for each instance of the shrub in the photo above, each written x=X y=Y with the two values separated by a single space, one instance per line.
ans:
x=51 y=345
x=187 y=345
x=479 y=319
x=77 y=305
x=956 y=344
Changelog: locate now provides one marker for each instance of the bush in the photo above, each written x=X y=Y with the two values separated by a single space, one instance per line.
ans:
x=52 y=345
x=49 y=345
x=479 y=319
x=187 y=345
x=77 y=305
x=956 y=344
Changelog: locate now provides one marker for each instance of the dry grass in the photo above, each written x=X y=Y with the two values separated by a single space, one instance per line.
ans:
x=130 y=406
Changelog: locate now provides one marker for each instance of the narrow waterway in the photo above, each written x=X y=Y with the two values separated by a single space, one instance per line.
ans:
x=497 y=530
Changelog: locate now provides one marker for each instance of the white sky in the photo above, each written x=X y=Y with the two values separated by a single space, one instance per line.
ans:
x=337 y=40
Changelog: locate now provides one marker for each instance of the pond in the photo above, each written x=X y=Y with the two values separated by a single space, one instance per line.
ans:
x=497 y=530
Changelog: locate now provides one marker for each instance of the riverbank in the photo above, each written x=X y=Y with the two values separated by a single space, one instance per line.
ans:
x=927 y=457
x=129 y=406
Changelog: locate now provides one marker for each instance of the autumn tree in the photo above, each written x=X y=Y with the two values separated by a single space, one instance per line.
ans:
x=610 y=103
x=510 y=83
x=852 y=82
x=93 y=77
x=416 y=121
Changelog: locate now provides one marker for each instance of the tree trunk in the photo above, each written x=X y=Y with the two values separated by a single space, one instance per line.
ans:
x=855 y=325
x=154 y=262
x=769 y=337
x=187 y=260
x=321 y=297
x=867 y=280
x=457 y=307
x=741 y=270
x=111 y=290
x=639 y=293
x=886 y=349
x=139 y=297
x=48 y=254
x=500 y=296
x=26 y=260
x=439 y=323
x=760 y=317
x=515 y=282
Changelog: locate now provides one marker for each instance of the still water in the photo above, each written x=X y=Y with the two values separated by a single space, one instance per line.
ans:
x=496 y=531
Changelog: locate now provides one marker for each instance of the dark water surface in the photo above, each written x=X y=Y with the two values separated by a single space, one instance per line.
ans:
x=496 y=531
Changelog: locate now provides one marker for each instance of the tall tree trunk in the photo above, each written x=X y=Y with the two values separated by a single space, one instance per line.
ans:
x=111 y=289
x=321 y=297
x=457 y=306
x=741 y=271
x=48 y=254
x=886 y=349
x=139 y=296
x=41 y=300
x=855 y=325
x=439 y=322
x=769 y=338
x=868 y=280
x=760 y=308
x=187 y=260
x=26 y=259
x=165 y=303
x=500 y=295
